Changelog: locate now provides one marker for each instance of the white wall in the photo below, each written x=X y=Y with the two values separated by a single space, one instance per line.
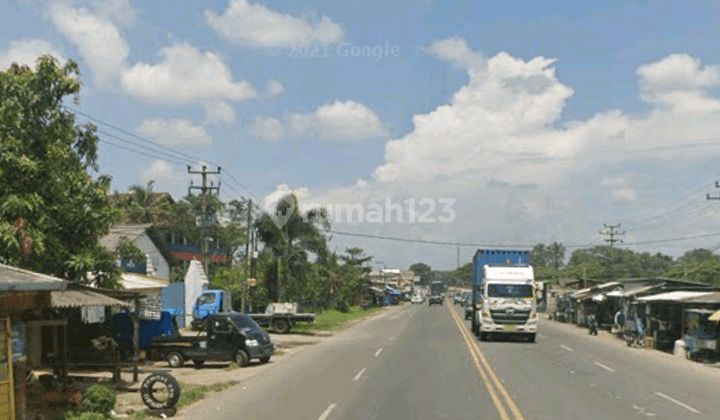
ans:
x=146 y=245
x=195 y=283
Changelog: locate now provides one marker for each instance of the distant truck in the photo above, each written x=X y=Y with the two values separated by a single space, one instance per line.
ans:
x=279 y=317
x=437 y=293
x=503 y=294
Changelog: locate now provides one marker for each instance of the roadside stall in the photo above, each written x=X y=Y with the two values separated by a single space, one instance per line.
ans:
x=701 y=335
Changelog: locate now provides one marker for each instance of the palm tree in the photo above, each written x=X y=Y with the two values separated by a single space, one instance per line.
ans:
x=147 y=206
x=291 y=243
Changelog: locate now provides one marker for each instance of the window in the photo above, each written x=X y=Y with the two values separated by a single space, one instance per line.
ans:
x=520 y=291
x=244 y=321
x=206 y=299
x=221 y=325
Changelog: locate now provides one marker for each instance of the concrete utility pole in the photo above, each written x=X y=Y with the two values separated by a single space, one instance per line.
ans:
x=458 y=257
x=717 y=185
x=204 y=189
x=612 y=234
x=247 y=255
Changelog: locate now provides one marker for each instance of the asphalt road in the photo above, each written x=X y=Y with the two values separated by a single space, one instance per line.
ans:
x=415 y=362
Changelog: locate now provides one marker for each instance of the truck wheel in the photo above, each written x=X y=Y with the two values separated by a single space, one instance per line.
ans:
x=281 y=326
x=175 y=360
x=264 y=359
x=198 y=363
x=148 y=393
x=241 y=358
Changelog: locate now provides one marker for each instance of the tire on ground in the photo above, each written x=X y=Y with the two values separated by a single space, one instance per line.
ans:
x=241 y=358
x=166 y=379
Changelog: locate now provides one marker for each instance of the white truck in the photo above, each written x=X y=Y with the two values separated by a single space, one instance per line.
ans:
x=507 y=304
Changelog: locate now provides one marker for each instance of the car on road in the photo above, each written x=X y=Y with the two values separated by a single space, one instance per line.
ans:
x=458 y=299
x=417 y=299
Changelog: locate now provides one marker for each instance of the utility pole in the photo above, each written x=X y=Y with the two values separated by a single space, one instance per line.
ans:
x=247 y=255
x=458 y=257
x=717 y=185
x=612 y=234
x=204 y=190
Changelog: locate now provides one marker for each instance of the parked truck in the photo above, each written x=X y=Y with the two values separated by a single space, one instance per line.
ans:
x=279 y=317
x=503 y=294
x=222 y=337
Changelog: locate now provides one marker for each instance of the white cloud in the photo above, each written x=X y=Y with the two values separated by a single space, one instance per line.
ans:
x=268 y=128
x=271 y=200
x=517 y=173
x=121 y=11
x=245 y=23
x=624 y=194
x=175 y=132
x=347 y=120
x=219 y=111
x=26 y=52
x=681 y=83
x=274 y=88
x=186 y=75
x=165 y=175
x=97 y=38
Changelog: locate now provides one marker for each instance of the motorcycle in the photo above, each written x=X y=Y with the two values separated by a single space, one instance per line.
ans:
x=633 y=339
x=593 y=326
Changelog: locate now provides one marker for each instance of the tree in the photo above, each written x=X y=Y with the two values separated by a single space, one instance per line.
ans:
x=52 y=211
x=291 y=244
x=539 y=256
x=355 y=257
x=556 y=255
x=420 y=269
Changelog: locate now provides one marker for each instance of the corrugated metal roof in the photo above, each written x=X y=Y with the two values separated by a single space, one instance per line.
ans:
x=677 y=296
x=593 y=290
x=132 y=281
x=19 y=280
x=80 y=298
x=709 y=298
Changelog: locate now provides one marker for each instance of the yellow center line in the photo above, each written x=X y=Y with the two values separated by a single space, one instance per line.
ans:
x=474 y=346
x=486 y=380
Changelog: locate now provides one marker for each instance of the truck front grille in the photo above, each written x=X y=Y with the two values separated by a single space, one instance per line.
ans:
x=503 y=317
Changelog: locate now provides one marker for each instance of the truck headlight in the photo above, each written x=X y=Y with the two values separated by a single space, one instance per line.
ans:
x=251 y=343
x=478 y=306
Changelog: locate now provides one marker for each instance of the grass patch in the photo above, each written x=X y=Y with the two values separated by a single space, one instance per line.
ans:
x=279 y=353
x=232 y=366
x=333 y=320
x=190 y=393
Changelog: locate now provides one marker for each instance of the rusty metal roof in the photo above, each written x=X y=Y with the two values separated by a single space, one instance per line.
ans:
x=80 y=298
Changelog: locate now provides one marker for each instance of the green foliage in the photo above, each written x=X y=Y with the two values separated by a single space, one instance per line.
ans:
x=99 y=399
x=420 y=269
x=84 y=415
x=549 y=256
x=52 y=211
x=128 y=251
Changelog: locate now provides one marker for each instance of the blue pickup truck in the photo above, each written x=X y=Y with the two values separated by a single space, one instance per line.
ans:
x=212 y=302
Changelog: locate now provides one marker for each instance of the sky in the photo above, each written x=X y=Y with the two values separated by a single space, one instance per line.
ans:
x=505 y=124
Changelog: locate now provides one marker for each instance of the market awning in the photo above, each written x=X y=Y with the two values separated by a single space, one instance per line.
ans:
x=81 y=298
x=715 y=317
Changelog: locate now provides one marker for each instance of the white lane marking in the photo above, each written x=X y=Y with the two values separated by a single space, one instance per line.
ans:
x=542 y=336
x=327 y=412
x=685 y=406
x=609 y=369
x=566 y=347
x=359 y=374
x=377 y=353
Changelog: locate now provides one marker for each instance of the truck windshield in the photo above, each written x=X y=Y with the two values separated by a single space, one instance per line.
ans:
x=510 y=291
x=244 y=321
x=207 y=298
